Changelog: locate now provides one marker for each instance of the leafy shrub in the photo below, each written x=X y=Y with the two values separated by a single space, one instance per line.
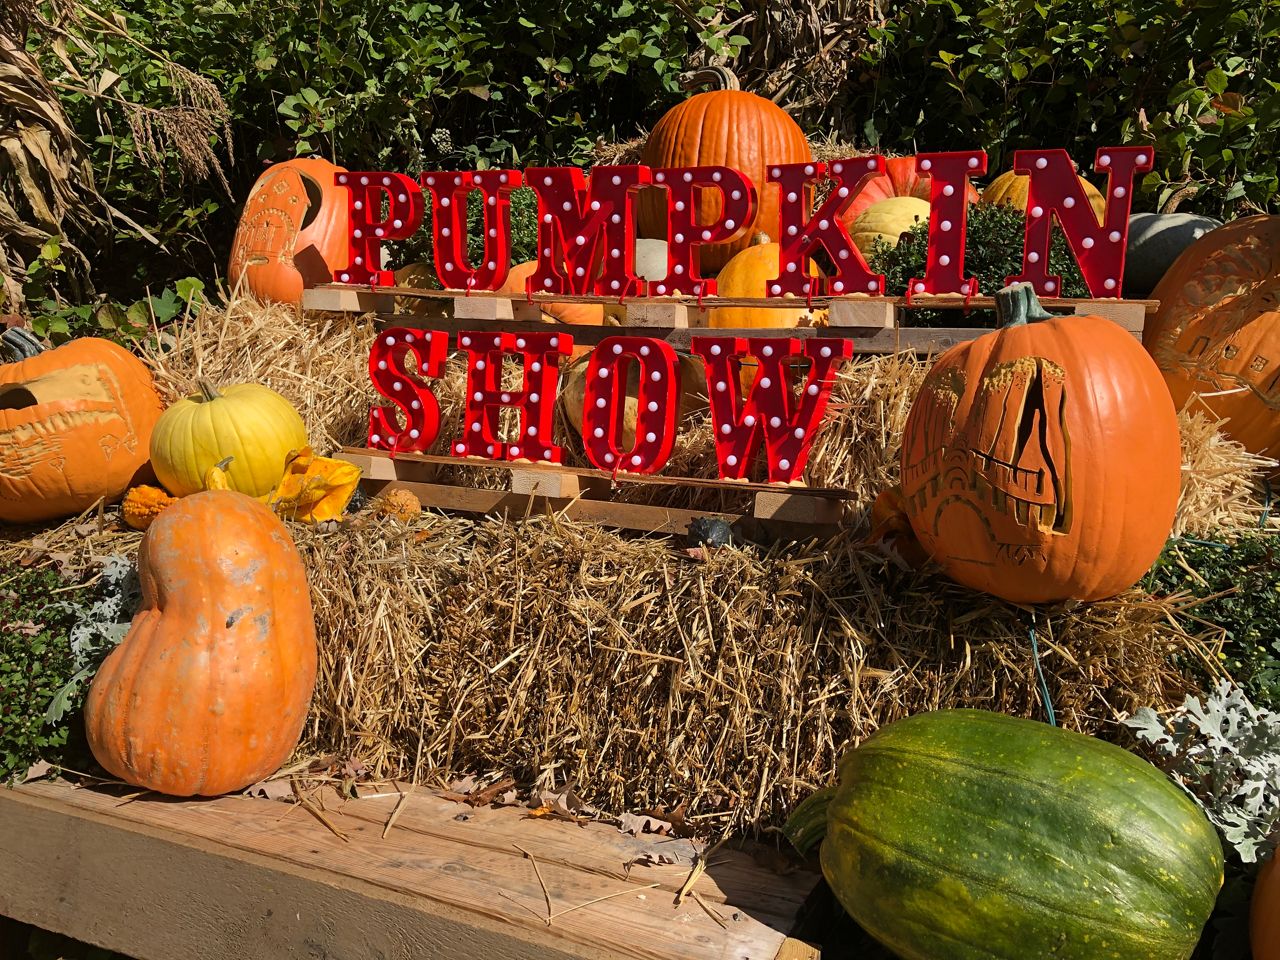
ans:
x=1239 y=584
x=992 y=253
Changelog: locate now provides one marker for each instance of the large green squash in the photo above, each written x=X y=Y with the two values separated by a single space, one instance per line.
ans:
x=1155 y=240
x=964 y=834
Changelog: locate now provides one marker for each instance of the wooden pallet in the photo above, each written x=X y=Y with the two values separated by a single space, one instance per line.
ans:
x=232 y=878
x=582 y=494
x=875 y=324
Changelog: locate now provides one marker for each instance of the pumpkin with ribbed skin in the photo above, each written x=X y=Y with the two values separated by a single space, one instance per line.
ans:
x=1228 y=359
x=1041 y=462
x=250 y=424
x=969 y=835
x=1222 y=263
x=747 y=275
x=899 y=179
x=887 y=220
x=1155 y=242
x=1264 y=915
x=209 y=689
x=1011 y=189
x=75 y=425
x=730 y=128
x=292 y=232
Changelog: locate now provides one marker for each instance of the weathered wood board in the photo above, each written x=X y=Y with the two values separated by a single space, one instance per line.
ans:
x=234 y=877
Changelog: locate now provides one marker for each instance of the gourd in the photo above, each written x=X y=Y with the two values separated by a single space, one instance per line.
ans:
x=75 y=426
x=899 y=179
x=250 y=424
x=142 y=504
x=293 y=231
x=1041 y=462
x=723 y=127
x=887 y=220
x=208 y=691
x=1155 y=242
x=1011 y=189
x=968 y=835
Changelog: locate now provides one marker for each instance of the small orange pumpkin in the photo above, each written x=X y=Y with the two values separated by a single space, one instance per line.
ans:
x=208 y=691
x=75 y=427
x=1264 y=920
x=293 y=231
x=1042 y=462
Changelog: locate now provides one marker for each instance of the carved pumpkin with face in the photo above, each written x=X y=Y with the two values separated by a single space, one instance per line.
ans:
x=1041 y=462
x=292 y=232
x=75 y=427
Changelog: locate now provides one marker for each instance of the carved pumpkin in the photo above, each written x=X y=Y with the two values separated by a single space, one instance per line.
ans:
x=293 y=231
x=248 y=423
x=75 y=425
x=727 y=127
x=899 y=179
x=887 y=220
x=208 y=691
x=693 y=394
x=1222 y=263
x=1041 y=462
x=1264 y=919
x=1228 y=357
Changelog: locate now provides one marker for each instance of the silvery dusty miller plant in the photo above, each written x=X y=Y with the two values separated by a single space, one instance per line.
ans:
x=1226 y=754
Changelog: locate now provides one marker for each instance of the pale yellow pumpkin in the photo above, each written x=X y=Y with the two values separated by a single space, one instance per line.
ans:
x=249 y=423
x=887 y=220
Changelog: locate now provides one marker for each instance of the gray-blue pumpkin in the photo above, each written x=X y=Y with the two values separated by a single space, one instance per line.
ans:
x=1155 y=240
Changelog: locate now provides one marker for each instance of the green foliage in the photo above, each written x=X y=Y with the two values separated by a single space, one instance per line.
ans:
x=524 y=232
x=35 y=661
x=371 y=84
x=1240 y=584
x=993 y=252
x=1199 y=79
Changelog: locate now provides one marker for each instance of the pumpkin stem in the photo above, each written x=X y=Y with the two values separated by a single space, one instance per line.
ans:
x=807 y=825
x=719 y=78
x=1017 y=305
x=208 y=390
x=223 y=463
x=760 y=239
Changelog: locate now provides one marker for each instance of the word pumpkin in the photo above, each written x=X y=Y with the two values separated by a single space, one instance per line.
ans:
x=587 y=225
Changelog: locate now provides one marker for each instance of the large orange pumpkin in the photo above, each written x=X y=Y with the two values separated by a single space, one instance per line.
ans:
x=292 y=232
x=1228 y=357
x=1220 y=264
x=208 y=691
x=75 y=427
x=899 y=179
x=1264 y=920
x=1041 y=462
x=585 y=314
x=727 y=127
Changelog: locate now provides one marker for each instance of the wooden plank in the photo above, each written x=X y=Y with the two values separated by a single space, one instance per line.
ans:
x=1067 y=304
x=379 y=465
x=797 y=507
x=488 y=308
x=865 y=312
x=1128 y=313
x=798 y=950
x=340 y=298
x=163 y=879
x=643 y=517
x=670 y=316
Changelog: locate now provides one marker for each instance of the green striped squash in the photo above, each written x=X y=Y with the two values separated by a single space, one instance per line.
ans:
x=965 y=834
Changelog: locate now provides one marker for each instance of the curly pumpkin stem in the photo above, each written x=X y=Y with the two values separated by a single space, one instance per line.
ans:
x=719 y=78
x=1017 y=305
x=208 y=390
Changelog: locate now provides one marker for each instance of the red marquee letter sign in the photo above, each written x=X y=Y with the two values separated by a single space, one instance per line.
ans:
x=948 y=214
x=788 y=433
x=449 y=196
x=1056 y=191
x=576 y=223
x=396 y=381
x=800 y=237
x=605 y=404
x=541 y=353
x=684 y=237
x=368 y=229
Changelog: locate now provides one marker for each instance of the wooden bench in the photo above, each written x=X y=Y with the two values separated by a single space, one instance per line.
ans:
x=240 y=878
